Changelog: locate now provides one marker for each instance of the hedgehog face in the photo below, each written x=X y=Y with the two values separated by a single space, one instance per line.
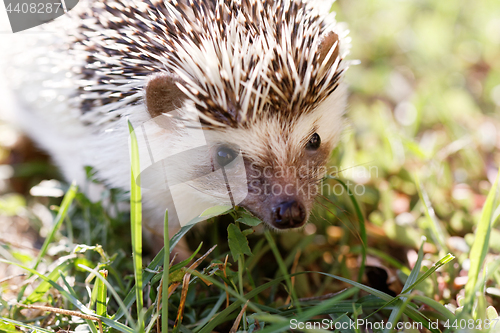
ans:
x=284 y=154
x=285 y=161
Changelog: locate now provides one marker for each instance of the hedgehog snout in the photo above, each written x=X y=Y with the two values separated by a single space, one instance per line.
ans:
x=288 y=214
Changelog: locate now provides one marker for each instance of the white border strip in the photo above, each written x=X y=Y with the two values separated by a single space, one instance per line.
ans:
x=4 y=20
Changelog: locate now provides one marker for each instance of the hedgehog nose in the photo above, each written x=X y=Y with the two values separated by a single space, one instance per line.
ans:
x=289 y=214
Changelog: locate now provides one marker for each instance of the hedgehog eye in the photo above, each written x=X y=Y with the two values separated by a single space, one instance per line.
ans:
x=314 y=142
x=225 y=155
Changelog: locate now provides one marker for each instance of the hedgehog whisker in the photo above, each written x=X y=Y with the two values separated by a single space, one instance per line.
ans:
x=348 y=168
x=351 y=228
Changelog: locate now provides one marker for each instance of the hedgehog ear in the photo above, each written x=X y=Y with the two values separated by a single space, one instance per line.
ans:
x=326 y=45
x=162 y=94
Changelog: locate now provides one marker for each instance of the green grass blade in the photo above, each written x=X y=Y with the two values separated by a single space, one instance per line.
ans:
x=344 y=321
x=231 y=291
x=435 y=305
x=488 y=273
x=410 y=311
x=166 y=272
x=362 y=228
x=91 y=324
x=152 y=322
x=177 y=237
x=220 y=318
x=441 y=309
x=43 y=287
x=215 y=308
x=240 y=299
x=183 y=263
x=397 y=312
x=136 y=218
x=284 y=325
x=436 y=230
x=412 y=278
x=443 y=261
x=68 y=286
x=21 y=324
x=102 y=293
x=149 y=272
x=79 y=305
x=480 y=245
x=283 y=269
x=424 y=276
x=61 y=215
x=112 y=322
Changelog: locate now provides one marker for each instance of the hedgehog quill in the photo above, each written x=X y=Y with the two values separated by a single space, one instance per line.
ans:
x=261 y=79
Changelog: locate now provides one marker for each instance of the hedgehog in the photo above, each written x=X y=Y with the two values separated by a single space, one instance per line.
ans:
x=262 y=79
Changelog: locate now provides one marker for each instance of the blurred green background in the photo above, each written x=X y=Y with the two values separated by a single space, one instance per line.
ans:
x=424 y=103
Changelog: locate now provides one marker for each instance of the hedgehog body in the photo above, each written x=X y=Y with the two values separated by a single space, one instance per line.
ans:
x=263 y=78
